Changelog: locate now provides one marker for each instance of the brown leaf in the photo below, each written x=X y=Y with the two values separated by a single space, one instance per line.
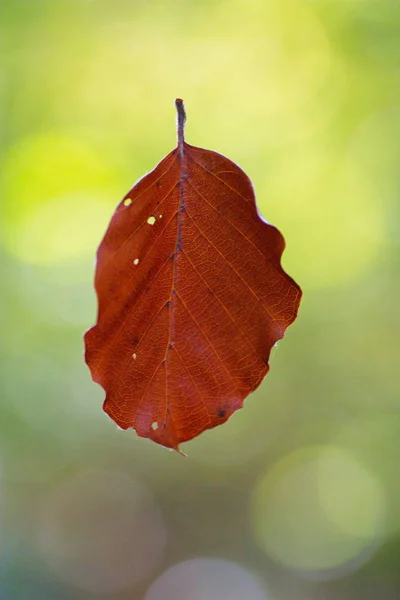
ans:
x=191 y=297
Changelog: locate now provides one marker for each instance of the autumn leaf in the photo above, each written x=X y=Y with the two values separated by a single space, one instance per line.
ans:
x=191 y=297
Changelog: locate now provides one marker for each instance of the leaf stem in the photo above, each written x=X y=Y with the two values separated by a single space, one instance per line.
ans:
x=180 y=109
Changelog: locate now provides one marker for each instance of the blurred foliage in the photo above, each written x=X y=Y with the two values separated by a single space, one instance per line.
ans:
x=297 y=496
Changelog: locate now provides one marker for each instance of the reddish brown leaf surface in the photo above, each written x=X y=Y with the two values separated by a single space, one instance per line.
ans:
x=191 y=297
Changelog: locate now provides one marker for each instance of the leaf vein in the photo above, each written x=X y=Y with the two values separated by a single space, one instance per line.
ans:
x=194 y=381
x=207 y=339
x=114 y=254
x=231 y=266
x=236 y=323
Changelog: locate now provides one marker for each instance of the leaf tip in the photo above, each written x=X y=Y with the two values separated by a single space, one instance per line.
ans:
x=179 y=451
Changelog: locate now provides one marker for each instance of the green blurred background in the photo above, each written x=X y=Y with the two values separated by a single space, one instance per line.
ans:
x=297 y=497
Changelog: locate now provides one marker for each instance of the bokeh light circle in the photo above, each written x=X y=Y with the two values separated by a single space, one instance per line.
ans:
x=206 y=579
x=319 y=511
x=375 y=437
x=101 y=531
x=333 y=219
x=57 y=198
